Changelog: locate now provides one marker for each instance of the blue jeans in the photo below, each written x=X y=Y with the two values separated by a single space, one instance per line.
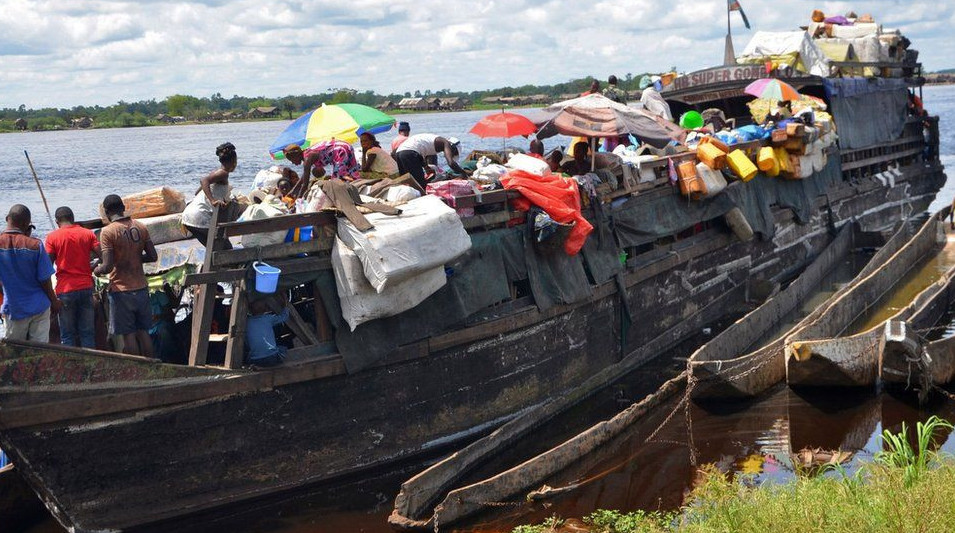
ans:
x=76 y=318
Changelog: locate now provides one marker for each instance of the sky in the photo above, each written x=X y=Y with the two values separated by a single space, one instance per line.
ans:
x=63 y=53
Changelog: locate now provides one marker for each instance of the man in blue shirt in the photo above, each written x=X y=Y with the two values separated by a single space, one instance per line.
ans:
x=25 y=270
x=260 y=333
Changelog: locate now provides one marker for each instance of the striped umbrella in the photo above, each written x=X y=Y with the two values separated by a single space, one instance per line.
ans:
x=343 y=122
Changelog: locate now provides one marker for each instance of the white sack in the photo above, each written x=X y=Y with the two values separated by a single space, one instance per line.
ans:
x=528 y=164
x=165 y=228
x=267 y=209
x=362 y=303
x=426 y=234
x=771 y=43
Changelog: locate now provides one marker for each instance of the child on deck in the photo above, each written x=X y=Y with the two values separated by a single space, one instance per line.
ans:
x=260 y=333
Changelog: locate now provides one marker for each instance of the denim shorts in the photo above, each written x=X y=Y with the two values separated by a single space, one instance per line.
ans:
x=129 y=312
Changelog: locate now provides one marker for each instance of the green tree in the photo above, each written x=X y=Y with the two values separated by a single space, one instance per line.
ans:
x=181 y=104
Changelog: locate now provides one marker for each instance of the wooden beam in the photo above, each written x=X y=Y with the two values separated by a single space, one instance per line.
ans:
x=272 y=251
x=205 y=298
x=295 y=322
x=284 y=222
x=290 y=266
x=235 y=346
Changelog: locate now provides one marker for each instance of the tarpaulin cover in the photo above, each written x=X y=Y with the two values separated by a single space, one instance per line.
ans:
x=779 y=45
x=867 y=111
x=559 y=197
x=479 y=279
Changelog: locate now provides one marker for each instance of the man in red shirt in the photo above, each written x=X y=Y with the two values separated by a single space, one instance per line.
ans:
x=70 y=247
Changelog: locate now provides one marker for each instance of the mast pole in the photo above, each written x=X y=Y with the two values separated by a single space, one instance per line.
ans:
x=729 y=56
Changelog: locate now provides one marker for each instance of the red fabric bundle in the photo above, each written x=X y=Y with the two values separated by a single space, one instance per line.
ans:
x=559 y=197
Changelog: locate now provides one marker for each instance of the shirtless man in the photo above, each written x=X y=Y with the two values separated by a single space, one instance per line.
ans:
x=125 y=247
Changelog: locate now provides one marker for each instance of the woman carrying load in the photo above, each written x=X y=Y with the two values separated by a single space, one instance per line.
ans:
x=338 y=154
x=214 y=191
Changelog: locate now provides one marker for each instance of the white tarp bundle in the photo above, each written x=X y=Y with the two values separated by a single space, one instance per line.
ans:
x=425 y=235
x=768 y=43
x=361 y=302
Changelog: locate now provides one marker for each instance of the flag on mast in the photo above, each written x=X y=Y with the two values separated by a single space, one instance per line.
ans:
x=733 y=5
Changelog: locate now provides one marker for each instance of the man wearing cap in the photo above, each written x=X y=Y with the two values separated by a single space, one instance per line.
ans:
x=412 y=153
x=404 y=130
x=126 y=246
x=70 y=247
x=25 y=270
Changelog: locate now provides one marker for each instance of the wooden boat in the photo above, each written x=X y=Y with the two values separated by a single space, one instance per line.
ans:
x=19 y=506
x=910 y=359
x=145 y=442
x=821 y=354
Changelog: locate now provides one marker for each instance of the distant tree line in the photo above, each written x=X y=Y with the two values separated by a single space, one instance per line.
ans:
x=192 y=108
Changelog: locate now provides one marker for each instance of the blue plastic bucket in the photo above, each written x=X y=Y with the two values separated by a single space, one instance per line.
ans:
x=266 y=277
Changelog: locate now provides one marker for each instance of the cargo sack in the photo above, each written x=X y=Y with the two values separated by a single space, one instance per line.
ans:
x=270 y=207
x=151 y=203
x=741 y=165
x=549 y=235
x=166 y=228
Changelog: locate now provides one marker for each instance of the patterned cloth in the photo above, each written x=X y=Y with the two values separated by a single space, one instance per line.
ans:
x=339 y=155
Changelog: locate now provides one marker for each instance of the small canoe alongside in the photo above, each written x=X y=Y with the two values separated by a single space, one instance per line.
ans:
x=719 y=372
x=843 y=346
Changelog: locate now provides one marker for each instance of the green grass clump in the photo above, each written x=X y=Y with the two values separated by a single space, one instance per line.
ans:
x=905 y=489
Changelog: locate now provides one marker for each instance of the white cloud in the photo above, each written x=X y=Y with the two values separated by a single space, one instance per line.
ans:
x=70 y=52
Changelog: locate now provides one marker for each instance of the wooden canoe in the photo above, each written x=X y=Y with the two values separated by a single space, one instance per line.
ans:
x=820 y=353
x=719 y=372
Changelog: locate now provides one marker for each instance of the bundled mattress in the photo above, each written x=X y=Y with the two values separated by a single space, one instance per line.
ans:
x=361 y=302
x=425 y=235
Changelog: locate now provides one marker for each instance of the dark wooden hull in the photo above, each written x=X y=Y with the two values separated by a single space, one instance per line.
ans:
x=19 y=506
x=114 y=455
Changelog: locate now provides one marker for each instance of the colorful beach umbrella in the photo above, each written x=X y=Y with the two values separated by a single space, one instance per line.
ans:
x=344 y=122
x=772 y=89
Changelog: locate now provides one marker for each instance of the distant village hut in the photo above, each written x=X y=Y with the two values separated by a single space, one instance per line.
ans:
x=264 y=112
x=455 y=103
x=413 y=104
x=387 y=105
x=20 y=124
x=82 y=123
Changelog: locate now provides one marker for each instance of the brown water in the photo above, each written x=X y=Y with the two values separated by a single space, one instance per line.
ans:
x=928 y=271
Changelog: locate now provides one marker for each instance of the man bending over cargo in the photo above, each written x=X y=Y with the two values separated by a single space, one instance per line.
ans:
x=412 y=153
x=125 y=247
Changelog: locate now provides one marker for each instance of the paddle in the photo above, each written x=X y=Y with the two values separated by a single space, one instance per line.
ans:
x=43 y=196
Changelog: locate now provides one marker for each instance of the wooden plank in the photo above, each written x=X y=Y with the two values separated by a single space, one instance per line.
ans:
x=881 y=159
x=491 y=219
x=205 y=297
x=295 y=322
x=290 y=266
x=491 y=197
x=323 y=325
x=272 y=251
x=235 y=346
x=284 y=222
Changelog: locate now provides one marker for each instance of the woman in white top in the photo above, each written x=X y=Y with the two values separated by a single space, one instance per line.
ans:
x=374 y=158
x=214 y=190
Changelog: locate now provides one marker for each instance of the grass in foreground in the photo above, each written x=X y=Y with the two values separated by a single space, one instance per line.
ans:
x=904 y=489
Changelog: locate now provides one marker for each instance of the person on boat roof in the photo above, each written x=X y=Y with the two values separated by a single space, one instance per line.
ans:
x=339 y=154
x=375 y=161
x=412 y=153
x=70 y=247
x=214 y=191
x=126 y=246
x=581 y=163
x=404 y=131
x=613 y=92
x=25 y=271
x=652 y=100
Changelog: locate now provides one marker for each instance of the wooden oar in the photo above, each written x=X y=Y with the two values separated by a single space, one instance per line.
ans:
x=43 y=196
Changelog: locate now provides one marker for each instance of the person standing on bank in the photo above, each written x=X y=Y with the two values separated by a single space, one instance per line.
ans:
x=214 y=190
x=25 y=271
x=412 y=153
x=70 y=247
x=126 y=246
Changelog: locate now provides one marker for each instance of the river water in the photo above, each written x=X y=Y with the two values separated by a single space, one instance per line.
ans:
x=78 y=168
